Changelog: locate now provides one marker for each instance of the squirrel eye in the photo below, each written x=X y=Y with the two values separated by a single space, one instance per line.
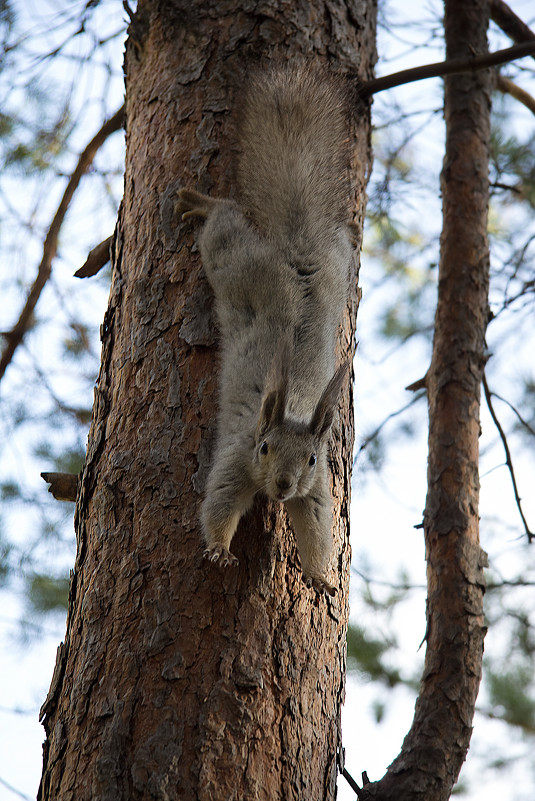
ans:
x=264 y=448
x=312 y=460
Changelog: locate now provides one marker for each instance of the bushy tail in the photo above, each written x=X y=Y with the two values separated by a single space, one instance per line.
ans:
x=292 y=171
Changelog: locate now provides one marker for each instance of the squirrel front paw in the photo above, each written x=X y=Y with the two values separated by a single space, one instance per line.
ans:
x=194 y=204
x=218 y=554
x=319 y=584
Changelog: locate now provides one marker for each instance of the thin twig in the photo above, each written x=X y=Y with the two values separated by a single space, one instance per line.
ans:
x=508 y=460
x=14 y=790
x=526 y=727
x=498 y=585
x=18 y=711
x=381 y=425
x=15 y=336
x=451 y=67
x=405 y=587
x=515 y=411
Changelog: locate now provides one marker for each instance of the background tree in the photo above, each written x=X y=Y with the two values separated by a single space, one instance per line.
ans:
x=409 y=259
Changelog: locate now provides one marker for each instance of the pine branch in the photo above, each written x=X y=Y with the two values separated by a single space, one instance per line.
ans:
x=451 y=67
x=352 y=783
x=16 y=335
x=97 y=258
x=507 y=86
x=519 y=32
x=63 y=486
x=507 y=20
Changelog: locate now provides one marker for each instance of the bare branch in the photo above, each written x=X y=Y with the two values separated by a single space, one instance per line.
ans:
x=498 y=585
x=365 y=442
x=508 y=460
x=526 y=728
x=63 y=486
x=352 y=783
x=509 y=88
x=15 y=336
x=450 y=67
x=14 y=790
x=416 y=385
x=395 y=587
x=510 y=24
x=97 y=258
x=515 y=411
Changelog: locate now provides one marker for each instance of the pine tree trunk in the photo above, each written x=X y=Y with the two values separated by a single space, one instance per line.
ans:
x=177 y=680
x=436 y=745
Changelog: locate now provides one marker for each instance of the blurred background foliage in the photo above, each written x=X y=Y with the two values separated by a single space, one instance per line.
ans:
x=60 y=78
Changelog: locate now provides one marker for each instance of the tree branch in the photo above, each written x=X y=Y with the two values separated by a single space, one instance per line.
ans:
x=15 y=336
x=508 y=460
x=63 y=486
x=507 y=87
x=366 y=441
x=352 y=783
x=510 y=24
x=14 y=790
x=97 y=258
x=526 y=728
x=450 y=67
x=515 y=411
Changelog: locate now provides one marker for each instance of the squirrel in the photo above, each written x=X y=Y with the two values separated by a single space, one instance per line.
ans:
x=278 y=262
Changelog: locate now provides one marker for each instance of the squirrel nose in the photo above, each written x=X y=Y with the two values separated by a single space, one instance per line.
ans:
x=283 y=483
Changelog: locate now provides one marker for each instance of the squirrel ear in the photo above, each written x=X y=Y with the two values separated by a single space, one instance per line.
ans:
x=275 y=392
x=324 y=411
x=271 y=413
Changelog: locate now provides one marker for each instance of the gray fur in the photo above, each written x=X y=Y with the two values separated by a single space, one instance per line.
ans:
x=278 y=263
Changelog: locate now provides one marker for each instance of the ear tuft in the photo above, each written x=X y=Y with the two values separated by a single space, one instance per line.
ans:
x=269 y=415
x=275 y=391
x=324 y=412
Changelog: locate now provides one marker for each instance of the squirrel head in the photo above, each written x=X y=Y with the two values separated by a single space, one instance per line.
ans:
x=286 y=451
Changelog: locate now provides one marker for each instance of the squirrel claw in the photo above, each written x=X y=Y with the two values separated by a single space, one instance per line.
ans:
x=319 y=585
x=218 y=554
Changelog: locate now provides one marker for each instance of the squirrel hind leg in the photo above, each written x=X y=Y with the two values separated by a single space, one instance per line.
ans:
x=194 y=204
x=311 y=522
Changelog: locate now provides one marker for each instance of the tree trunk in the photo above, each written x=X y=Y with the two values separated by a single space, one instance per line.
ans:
x=436 y=745
x=178 y=680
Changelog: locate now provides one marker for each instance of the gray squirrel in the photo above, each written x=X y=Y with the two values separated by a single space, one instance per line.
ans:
x=278 y=263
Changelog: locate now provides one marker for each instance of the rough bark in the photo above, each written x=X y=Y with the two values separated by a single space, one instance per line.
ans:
x=177 y=680
x=436 y=745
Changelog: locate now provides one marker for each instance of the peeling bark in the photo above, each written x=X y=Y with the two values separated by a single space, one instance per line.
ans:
x=177 y=680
